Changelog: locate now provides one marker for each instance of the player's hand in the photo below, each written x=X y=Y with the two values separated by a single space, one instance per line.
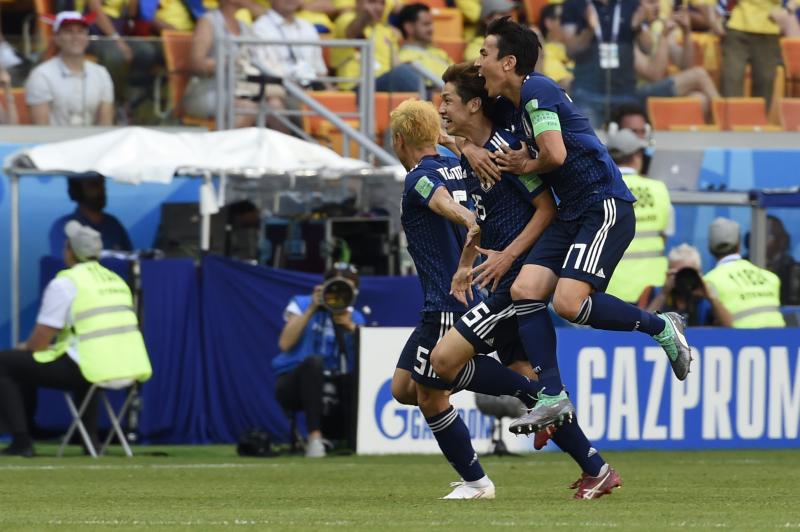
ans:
x=493 y=269
x=472 y=234
x=448 y=141
x=512 y=161
x=316 y=297
x=482 y=162
x=461 y=285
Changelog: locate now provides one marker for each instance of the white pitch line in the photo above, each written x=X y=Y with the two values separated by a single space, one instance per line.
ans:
x=142 y=466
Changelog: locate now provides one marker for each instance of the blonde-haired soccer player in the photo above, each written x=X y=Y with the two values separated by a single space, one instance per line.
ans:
x=437 y=223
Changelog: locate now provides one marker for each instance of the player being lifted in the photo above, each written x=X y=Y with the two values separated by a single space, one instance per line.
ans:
x=577 y=254
x=434 y=212
x=512 y=214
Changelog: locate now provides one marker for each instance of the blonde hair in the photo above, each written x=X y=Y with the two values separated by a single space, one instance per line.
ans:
x=417 y=122
x=685 y=252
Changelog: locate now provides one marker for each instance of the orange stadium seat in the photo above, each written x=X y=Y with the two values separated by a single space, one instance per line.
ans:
x=43 y=29
x=344 y=103
x=454 y=48
x=434 y=3
x=741 y=114
x=533 y=8
x=385 y=103
x=23 y=116
x=680 y=113
x=177 y=50
x=790 y=52
x=790 y=114
x=448 y=23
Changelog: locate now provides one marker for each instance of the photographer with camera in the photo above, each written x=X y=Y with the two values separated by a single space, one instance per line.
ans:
x=318 y=341
x=685 y=292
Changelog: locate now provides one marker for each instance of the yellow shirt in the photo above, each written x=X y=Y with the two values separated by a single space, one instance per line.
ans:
x=316 y=18
x=435 y=60
x=473 y=49
x=752 y=16
x=557 y=65
x=112 y=8
x=350 y=5
x=174 y=13
x=243 y=14
x=346 y=61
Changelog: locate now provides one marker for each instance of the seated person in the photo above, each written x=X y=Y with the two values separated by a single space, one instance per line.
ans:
x=686 y=292
x=491 y=10
x=780 y=261
x=314 y=341
x=88 y=311
x=90 y=195
x=367 y=22
x=416 y=24
x=69 y=90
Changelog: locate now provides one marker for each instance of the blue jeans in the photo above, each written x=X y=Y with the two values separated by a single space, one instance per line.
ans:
x=596 y=107
x=402 y=78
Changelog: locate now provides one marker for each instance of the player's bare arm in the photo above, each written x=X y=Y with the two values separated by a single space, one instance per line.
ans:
x=461 y=284
x=498 y=263
x=443 y=204
x=552 y=154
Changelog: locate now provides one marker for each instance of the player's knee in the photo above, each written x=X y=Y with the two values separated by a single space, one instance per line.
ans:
x=443 y=365
x=566 y=306
x=432 y=402
x=404 y=392
x=520 y=290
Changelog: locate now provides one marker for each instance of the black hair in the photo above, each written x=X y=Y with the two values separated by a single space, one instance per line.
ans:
x=469 y=84
x=627 y=109
x=410 y=13
x=549 y=11
x=75 y=186
x=517 y=40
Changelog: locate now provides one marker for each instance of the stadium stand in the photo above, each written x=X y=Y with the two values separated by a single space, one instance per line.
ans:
x=448 y=23
x=790 y=52
x=453 y=47
x=677 y=113
x=790 y=114
x=741 y=114
x=177 y=45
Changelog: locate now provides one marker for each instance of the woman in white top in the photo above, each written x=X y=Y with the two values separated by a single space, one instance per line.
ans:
x=200 y=99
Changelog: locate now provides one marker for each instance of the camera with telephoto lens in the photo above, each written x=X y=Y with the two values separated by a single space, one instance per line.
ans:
x=687 y=281
x=337 y=294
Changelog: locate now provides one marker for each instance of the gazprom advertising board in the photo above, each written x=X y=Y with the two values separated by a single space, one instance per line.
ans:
x=743 y=392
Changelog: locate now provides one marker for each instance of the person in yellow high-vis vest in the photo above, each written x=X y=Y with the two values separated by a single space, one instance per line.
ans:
x=644 y=263
x=86 y=333
x=751 y=294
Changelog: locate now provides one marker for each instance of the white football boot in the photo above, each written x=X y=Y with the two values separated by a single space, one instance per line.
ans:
x=463 y=491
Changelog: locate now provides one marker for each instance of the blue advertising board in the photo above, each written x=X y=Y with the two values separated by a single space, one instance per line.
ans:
x=743 y=389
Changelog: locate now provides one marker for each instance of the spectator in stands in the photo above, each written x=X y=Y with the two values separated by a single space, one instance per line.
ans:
x=172 y=15
x=89 y=192
x=130 y=62
x=666 y=48
x=87 y=315
x=200 y=99
x=787 y=18
x=643 y=263
x=780 y=261
x=751 y=294
x=634 y=117
x=685 y=292
x=367 y=22
x=315 y=341
x=600 y=36
x=416 y=24
x=8 y=112
x=557 y=64
x=491 y=10
x=303 y=64
x=751 y=36
x=68 y=90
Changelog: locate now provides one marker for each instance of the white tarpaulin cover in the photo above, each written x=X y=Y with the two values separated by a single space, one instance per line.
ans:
x=136 y=155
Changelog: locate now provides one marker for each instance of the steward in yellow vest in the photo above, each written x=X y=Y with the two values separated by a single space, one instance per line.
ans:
x=88 y=311
x=644 y=263
x=751 y=294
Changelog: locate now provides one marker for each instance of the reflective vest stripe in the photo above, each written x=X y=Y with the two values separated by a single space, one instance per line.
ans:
x=642 y=254
x=755 y=310
x=108 y=332
x=647 y=234
x=102 y=310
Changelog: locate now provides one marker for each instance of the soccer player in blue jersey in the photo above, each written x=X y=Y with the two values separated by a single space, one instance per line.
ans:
x=434 y=212
x=505 y=212
x=577 y=254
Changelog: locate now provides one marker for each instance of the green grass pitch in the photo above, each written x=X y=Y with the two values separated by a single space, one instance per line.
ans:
x=209 y=488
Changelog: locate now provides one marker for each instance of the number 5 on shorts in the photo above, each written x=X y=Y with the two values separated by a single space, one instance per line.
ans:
x=423 y=365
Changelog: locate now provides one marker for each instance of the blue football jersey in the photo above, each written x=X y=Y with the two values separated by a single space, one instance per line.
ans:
x=588 y=174
x=505 y=208
x=434 y=242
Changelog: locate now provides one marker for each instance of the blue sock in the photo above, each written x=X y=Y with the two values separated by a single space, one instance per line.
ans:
x=571 y=439
x=604 y=311
x=483 y=374
x=452 y=435
x=539 y=339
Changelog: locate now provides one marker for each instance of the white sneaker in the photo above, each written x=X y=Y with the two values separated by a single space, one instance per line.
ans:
x=315 y=448
x=464 y=491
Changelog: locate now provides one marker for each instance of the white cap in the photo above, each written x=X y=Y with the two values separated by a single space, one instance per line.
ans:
x=85 y=242
x=723 y=236
x=70 y=17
